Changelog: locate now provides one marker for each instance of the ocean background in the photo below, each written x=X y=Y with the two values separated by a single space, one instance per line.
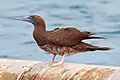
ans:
x=97 y=16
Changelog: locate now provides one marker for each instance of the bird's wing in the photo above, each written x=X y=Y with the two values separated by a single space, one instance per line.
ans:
x=66 y=36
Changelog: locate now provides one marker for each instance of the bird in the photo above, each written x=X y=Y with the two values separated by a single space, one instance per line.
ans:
x=61 y=41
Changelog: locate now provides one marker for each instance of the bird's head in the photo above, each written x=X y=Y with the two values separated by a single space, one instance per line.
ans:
x=34 y=19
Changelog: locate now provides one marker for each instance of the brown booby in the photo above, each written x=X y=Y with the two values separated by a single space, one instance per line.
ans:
x=61 y=41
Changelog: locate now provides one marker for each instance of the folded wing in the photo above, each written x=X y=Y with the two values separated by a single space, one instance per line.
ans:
x=67 y=36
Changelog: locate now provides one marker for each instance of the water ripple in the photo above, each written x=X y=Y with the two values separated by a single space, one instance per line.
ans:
x=4 y=56
x=114 y=18
x=112 y=32
x=78 y=7
x=100 y=16
x=28 y=42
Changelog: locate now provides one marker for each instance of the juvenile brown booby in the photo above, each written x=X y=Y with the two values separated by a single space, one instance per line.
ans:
x=61 y=41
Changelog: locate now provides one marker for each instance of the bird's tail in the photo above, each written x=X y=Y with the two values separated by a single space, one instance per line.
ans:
x=94 y=37
x=102 y=48
x=83 y=47
x=98 y=48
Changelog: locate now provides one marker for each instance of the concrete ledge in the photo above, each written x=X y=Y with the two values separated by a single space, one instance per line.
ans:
x=34 y=70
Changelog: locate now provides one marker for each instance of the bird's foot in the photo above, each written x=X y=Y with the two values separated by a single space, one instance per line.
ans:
x=57 y=64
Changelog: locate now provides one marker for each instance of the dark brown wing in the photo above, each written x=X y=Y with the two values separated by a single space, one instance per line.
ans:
x=66 y=36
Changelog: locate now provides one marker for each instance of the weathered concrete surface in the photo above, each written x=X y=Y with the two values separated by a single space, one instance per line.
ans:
x=34 y=70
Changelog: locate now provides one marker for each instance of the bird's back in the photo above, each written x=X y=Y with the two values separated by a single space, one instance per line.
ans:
x=66 y=36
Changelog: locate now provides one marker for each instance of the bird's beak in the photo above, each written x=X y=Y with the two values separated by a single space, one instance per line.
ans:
x=26 y=19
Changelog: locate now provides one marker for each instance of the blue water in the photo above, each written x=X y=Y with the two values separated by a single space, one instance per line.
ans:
x=99 y=16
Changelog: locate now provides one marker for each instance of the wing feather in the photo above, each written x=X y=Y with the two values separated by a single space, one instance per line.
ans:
x=66 y=36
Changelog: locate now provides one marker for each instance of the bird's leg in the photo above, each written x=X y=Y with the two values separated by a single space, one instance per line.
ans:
x=59 y=63
x=53 y=58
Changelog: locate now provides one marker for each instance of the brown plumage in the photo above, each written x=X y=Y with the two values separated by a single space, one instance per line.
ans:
x=61 y=41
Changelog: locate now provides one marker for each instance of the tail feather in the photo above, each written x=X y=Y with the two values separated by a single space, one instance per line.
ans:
x=83 y=47
x=93 y=37
x=98 y=48
x=103 y=48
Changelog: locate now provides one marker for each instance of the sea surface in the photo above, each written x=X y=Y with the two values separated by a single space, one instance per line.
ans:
x=97 y=16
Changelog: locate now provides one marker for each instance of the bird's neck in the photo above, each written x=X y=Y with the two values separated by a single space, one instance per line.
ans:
x=39 y=34
x=40 y=29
